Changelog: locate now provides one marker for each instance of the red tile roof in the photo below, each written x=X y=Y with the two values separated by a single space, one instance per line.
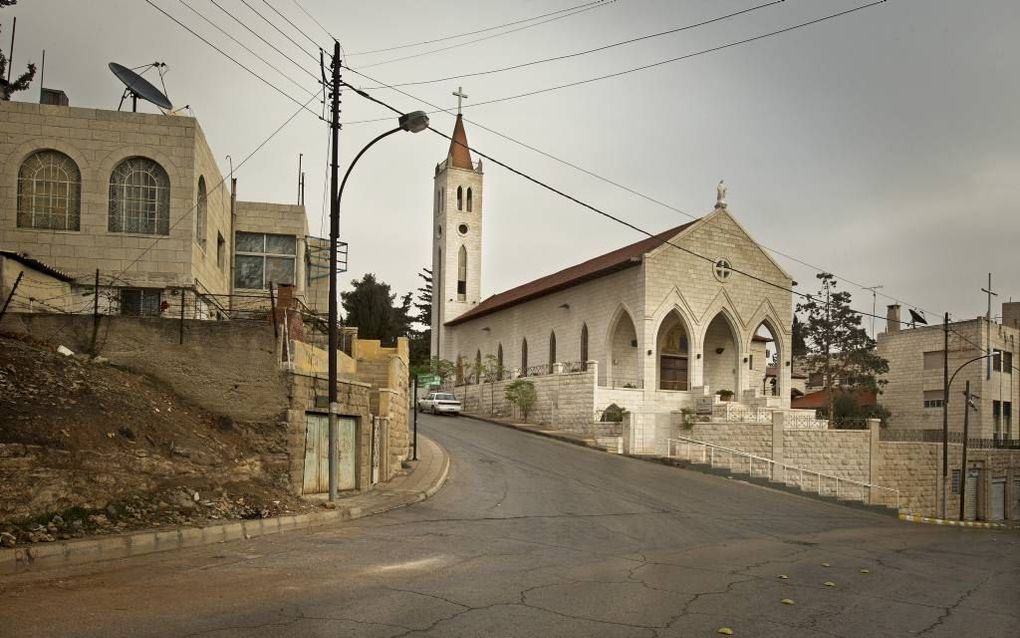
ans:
x=459 y=153
x=600 y=266
x=31 y=262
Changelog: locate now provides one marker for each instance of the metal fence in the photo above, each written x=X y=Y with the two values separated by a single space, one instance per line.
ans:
x=998 y=441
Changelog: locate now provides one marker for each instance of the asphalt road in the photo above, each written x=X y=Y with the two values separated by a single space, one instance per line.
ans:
x=533 y=537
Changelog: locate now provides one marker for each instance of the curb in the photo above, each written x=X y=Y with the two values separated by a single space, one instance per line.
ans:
x=80 y=552
x=911 y=518
x=546 y=433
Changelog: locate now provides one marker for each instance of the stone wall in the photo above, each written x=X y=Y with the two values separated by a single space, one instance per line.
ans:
x=564 y=400
x=229 y=368
x=754 y=438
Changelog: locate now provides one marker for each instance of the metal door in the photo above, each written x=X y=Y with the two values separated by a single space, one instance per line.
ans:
x=998 y=508
x=971 y=492
x=316 y=477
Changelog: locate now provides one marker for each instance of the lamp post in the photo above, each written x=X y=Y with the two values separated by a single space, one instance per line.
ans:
x=945 y=432
x=413 y=122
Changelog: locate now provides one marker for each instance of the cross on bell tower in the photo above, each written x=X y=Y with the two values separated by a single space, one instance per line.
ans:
x=460 y=95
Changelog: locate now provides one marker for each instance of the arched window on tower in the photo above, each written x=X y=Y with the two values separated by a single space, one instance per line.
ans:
x=584 y=346
x=462 y=274
x=469 y=202
x=460 y=198
x=524 y=358
x=552 y=350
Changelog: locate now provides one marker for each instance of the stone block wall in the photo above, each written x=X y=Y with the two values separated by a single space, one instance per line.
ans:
x=563 y=400
x=754 y=438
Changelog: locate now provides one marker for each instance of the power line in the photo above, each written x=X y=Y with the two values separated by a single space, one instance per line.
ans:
x=596 y=5
x=234 y=60
x=278 y=30
x=245 y=47
x=587 y=51
x=259 y=36
x=477 y=31
x=287 y=20
x=654 y=64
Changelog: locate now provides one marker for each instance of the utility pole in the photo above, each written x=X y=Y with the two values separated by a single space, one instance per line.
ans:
x=945 y=412
x=963 y=462
x=95 y=316
x=11 y=295
x=334 y=238
x=874 y=305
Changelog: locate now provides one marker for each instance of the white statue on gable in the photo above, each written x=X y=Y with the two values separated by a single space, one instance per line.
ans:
x=720 y=195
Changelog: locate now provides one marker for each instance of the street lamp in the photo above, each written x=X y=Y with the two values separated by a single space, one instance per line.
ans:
x=414 y=122
x=945 y=435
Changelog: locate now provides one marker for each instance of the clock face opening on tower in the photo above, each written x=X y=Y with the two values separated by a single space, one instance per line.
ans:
x=462 y=229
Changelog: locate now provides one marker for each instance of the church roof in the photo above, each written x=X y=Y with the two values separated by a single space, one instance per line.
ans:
x=600 y=266
x=459 y=154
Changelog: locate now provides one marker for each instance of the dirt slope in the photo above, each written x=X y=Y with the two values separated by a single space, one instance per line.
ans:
x=87 y=448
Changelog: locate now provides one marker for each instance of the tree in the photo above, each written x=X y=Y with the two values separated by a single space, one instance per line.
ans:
x=799 y=346
x=521 y=393
x=20 y=84
x=421 y=334
x=837 y=345
x=370 y=307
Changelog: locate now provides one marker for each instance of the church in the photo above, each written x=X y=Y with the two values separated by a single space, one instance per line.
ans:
x=696 y=315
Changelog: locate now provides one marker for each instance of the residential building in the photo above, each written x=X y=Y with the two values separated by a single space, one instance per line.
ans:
x=914 y=392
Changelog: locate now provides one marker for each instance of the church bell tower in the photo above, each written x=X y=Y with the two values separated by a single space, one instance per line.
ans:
x=456 y=239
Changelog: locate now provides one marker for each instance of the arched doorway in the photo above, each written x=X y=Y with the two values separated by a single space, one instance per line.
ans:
x=720 y=355
x=672 y=346
x=624 y=364
x=765 y=363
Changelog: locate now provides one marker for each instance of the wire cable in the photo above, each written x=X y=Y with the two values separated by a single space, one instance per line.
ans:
x=598 y=5
x=245 y=47
x=234 y=60
x=294 y=26
x=279 y=30
x=587 y=51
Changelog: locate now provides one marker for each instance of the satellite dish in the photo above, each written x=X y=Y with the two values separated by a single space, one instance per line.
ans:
x=138 y=87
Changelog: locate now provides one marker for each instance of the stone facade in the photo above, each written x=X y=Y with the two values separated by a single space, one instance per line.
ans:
x=913 y=393
x=622 y=315
x=564 y=400
x=193 y=255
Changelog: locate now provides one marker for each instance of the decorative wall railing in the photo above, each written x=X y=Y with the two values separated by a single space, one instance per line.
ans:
x=1000 y=441
x=622 y=383
x=738 y=461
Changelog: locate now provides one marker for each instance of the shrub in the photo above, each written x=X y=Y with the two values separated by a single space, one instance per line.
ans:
x=521 y=393
x=613 y=413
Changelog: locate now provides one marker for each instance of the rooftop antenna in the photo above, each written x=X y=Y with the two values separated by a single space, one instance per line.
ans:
x=10 y=58
x=42 y=75
x=138 y=87
x=300 y=178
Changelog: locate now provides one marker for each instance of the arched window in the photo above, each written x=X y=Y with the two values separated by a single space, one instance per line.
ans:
x=460 y=198
x=139 y=198
x=469 y=203
x=478 y=366
x=524 y=358
x=200 y=212
x=437 y=200
x=499 y=361
x=49 y=192
x=462 y=274
x=584 y=346
x=459 y=370
x=552 y=350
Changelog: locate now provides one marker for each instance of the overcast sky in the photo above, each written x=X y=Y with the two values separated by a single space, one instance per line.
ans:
x=883 y=146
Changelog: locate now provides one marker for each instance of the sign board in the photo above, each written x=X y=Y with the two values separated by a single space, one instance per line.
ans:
x=703 y=405
x=426 y=380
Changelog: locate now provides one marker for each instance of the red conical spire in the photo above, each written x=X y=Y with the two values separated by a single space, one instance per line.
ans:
x=460 y=156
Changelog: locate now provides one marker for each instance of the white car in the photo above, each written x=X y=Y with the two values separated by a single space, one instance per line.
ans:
x=440 y=403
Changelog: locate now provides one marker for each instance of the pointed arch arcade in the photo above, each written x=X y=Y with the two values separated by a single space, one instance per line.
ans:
x=672 y=349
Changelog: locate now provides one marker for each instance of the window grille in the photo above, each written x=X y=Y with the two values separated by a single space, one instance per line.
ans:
x=139 y=198
x=49 y=192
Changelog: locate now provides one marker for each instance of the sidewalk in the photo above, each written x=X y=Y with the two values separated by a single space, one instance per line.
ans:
x=422 y=481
